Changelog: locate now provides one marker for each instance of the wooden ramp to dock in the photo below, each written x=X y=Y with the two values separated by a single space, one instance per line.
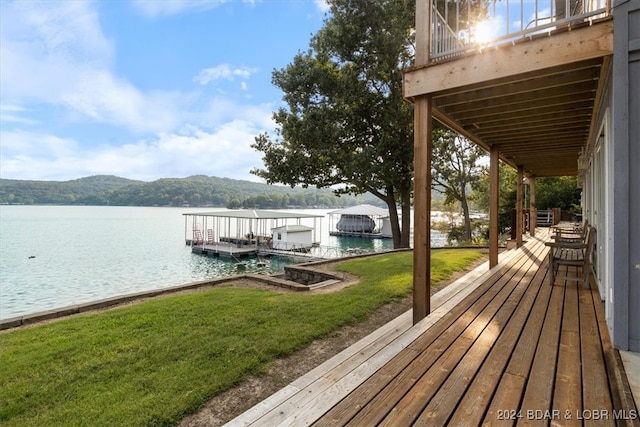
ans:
x=500 y=347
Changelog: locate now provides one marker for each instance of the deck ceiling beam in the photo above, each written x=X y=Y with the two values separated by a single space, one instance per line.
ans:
x=536 y=153
x=541 y=82
x=523 y=115
x=556 y=101
x=535 y=122
x=506 y=99
x=534 y=133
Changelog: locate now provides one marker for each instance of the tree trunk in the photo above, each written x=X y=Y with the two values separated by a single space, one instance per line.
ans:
x=467 y=219
x=390 y=200
x=406 y=218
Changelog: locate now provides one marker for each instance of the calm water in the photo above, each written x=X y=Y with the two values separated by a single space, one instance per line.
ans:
x=85 y=253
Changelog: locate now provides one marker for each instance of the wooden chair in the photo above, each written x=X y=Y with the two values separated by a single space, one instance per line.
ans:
x=572 y=252
x=576 y=234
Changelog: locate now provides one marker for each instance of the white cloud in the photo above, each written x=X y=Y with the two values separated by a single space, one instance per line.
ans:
x=105 y=98
x=223 y=71
x=322 y=5
x=155 y=8
x=223 y=151
x=13 y=114
x=55 y=53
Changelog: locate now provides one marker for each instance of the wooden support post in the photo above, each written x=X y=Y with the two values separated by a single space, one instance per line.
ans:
x=422 y=208
x=494 y=197
x=533 y=211
x=519 y=211
x=423 y=32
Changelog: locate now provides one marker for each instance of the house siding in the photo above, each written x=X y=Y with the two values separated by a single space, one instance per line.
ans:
x=625 y=275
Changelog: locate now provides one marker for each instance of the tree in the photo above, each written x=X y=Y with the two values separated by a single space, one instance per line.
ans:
x=234 y=203
x=551 y=192
x=455 y=169
x=347 y=125
x=507 y=194
x=558 y=192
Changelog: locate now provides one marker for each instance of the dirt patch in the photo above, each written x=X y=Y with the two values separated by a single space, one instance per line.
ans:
x=233 y=402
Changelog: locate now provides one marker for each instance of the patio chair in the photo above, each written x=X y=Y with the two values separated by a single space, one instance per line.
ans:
x=572 y=253
x=576 y=234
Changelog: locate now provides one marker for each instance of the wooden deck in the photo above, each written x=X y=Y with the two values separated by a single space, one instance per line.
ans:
x=225 y=250
x=501 y=347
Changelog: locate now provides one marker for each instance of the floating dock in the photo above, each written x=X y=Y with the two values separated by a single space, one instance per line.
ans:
x=225 y=250
x=242 y=233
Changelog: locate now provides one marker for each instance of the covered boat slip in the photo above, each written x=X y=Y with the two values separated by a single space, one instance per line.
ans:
x=500 y=347
x=236 y=233
x=360 y=221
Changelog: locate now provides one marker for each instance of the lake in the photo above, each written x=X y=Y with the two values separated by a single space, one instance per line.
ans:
x=55 y=256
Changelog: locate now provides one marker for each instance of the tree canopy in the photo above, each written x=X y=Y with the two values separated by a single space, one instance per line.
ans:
x=346 y=124
x=455 y=169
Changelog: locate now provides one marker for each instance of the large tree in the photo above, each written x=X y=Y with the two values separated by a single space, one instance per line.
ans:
x=455 y=169
x=558 y=192
x=346 y=124
x=507 y=194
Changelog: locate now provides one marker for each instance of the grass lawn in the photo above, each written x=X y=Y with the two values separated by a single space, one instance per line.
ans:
x=154 y=362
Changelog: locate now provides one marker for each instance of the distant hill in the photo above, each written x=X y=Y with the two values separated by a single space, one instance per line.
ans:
x=198 y=190
x=89 y=190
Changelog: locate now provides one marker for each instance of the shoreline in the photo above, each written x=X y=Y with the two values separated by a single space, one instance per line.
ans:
x=276 y=281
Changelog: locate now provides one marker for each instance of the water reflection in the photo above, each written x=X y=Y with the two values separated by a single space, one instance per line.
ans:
x=215 y=267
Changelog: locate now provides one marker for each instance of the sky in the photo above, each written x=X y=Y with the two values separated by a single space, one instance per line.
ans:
x=143 y=89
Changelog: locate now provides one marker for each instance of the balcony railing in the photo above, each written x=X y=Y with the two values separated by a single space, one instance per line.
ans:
x=459 y=26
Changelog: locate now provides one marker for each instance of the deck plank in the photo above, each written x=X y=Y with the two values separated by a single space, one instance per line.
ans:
x=567 y=396
x=505 y=404
x=539 y=389
x=595 y=384
x=465 y=328
x=477 y=398
x=438 y=340
x=445 y=402
x=444 y=315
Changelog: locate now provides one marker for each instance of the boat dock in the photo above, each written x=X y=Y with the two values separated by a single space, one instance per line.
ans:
x=243 y=233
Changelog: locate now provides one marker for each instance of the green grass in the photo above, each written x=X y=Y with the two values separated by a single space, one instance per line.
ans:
x=154 y=362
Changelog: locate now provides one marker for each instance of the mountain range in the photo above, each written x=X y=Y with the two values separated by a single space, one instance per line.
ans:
x=197 y=190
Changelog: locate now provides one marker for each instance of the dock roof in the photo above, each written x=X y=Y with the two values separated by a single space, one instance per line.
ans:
x=361 y=210
x=254 y=214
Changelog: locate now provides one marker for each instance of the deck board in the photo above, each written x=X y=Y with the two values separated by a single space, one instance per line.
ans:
x=507 y=349
x=478 y=396
x=446 y=401
x=594 y=374
x=567 y=396
x=538 y=392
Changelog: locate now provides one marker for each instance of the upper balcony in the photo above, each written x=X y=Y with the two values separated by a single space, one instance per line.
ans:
x=525 y=76
x=464 y=26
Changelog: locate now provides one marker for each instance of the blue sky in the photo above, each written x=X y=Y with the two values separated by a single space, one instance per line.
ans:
x=143 y=89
